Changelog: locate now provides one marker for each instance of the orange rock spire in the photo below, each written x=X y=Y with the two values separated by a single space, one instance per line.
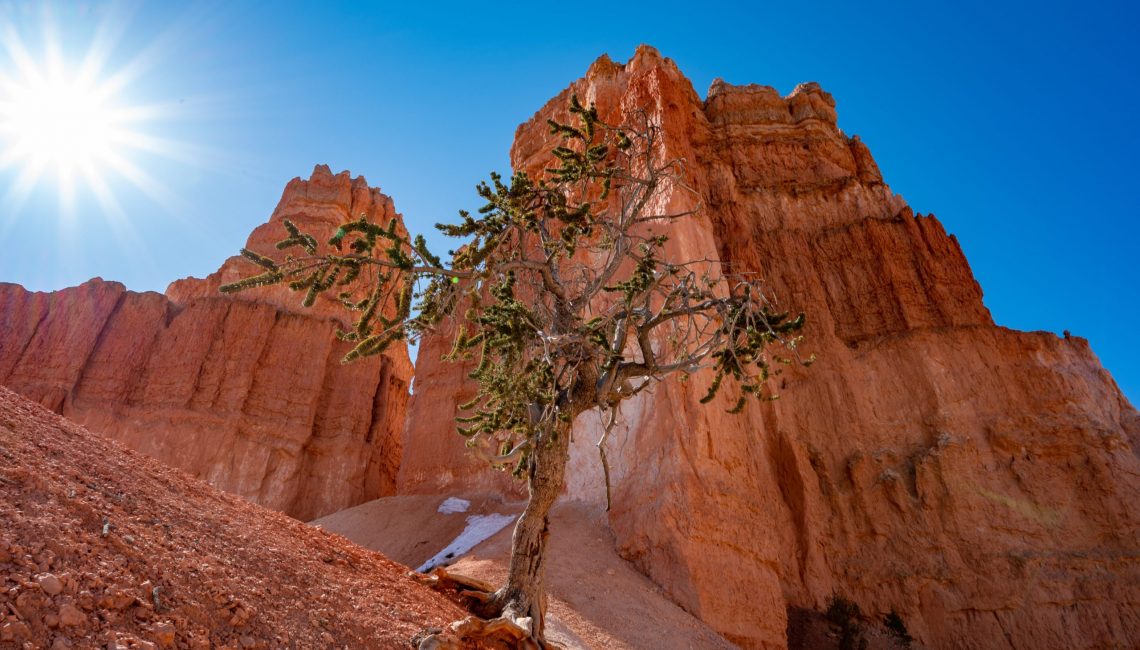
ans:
x=984 y=483
x=247 y=392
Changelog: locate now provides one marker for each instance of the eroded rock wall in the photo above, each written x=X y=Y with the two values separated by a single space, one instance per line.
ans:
x=246 y=391
x=984 y=483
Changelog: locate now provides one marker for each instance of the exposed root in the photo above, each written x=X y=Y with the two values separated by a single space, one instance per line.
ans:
x=474 y=633
x=498 y=630
x=476 y=595
x=441 y=579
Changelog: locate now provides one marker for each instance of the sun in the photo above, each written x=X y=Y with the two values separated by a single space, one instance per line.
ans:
x=67 y=124
x=61 y=122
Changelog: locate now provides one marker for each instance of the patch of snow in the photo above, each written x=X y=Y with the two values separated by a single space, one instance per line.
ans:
x=454 y=504
x=479 y=528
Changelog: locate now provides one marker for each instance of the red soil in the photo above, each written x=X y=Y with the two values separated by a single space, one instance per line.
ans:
x=103 y=547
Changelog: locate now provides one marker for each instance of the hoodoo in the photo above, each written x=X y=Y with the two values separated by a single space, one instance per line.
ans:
x=214 y=384
x=981 y=482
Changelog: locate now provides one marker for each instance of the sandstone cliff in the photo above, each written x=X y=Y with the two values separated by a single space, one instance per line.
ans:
x=983 y=483
x=246 y=392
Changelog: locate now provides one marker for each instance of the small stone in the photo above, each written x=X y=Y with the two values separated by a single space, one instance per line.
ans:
x=85 y=600
x=20 y=631
x=163 y=634
x=241 y=616
x=70 y=615
x=25 y=603
x=60 y=643
x=50 y=583
x=116 y=599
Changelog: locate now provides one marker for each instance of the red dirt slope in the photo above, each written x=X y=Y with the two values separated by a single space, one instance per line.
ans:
x=103 y=547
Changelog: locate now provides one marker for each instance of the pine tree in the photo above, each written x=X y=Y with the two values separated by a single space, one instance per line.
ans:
x=563 y=293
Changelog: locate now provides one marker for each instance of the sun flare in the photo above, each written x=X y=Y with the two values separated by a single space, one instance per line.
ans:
x=60 y=122
x=68 y=124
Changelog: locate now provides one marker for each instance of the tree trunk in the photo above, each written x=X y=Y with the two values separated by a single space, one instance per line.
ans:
x=524 y=595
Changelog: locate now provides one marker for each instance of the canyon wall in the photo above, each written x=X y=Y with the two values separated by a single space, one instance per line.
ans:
x=245 y=391
x=984 y=483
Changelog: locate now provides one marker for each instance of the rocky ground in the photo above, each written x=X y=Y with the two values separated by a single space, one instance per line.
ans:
x=102 y=547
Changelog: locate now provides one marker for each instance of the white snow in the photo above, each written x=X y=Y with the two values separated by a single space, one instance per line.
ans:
x=454 y=504
x=479 y=528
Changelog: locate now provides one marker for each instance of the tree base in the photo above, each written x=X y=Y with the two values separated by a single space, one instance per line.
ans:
x=474 y=633
x=491 y=627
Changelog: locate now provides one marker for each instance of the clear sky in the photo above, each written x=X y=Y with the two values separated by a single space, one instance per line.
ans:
x=1013 y=122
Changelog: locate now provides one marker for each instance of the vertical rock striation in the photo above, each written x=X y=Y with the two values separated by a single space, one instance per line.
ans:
x=984 y=483
x=247 y=392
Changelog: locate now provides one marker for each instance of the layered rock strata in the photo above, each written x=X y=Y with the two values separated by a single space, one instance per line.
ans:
x=246 y=391
x=983 y=483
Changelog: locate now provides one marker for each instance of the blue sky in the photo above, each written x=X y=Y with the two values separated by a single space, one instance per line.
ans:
x=1013 y=123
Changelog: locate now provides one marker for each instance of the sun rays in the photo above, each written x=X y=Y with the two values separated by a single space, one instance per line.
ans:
x=69 y=124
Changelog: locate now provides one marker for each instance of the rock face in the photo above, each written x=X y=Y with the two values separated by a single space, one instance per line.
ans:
x=983 y=483
x=246 y=392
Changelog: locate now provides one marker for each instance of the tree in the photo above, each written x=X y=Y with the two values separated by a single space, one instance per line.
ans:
x=564 y=294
